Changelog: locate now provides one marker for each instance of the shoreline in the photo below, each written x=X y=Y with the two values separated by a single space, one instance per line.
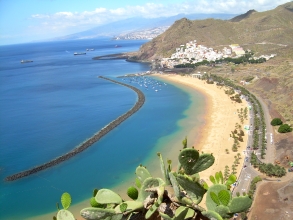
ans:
x=220 y=119
x=204 y=140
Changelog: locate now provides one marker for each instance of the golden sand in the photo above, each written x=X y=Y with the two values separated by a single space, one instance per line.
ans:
x=221 y=118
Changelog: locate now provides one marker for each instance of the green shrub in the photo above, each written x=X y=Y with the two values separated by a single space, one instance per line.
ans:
x=276 y=121
x=284 y=128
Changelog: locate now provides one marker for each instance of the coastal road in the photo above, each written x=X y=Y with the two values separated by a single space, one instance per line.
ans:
x=246 y=176
x=247 y=172
x=271 y=148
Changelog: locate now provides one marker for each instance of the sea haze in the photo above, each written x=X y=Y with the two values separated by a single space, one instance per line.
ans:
x=53 y=104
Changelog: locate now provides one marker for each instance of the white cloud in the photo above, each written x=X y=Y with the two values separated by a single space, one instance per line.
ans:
x=88 y=19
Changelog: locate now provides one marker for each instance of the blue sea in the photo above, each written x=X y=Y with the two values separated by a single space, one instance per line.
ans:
x=51 y=105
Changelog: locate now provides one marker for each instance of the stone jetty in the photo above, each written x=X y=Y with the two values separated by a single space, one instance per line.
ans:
x=83 y=146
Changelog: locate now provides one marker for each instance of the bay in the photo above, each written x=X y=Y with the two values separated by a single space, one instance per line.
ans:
x=51 y=105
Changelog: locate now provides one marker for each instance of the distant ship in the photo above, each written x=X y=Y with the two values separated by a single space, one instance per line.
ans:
x=26 y=61
x=90 y=49
x=117 y=46
x=79 y=53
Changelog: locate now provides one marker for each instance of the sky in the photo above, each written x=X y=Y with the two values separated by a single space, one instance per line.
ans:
x=39 y=20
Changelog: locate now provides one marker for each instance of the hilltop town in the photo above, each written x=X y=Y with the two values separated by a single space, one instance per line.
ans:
x=192 y=53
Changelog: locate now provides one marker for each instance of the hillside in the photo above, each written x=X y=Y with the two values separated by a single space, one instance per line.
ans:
x=269 y=32
x=274 y=26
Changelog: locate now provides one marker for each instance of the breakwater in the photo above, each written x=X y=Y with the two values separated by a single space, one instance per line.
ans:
x=87 y=143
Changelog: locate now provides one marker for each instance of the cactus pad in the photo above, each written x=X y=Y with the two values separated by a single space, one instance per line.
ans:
x=137 y=183
x=66 y=200
x=219 y=177
x=204 y=162
x=240 y=204
x=148 y=183
x=131 y=206
x=163 y=169
x=183 y=213
x=215 y=198
x=224 y=197
x=223 y=211
x=96 y=213
x=212 y=215
x=231 y=179
x=94 y=203
x=106 y=196
x=64 y=214
x=193 y=190
x=142 y=173
x=213 y=180
x=188 y=158
x=123 y=207
x=175 y=185
x=215 y=189
x=151 y=211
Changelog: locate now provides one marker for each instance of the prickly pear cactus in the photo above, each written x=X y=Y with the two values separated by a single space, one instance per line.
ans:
x=148 y=183
x=240 y=204
x=193 y=190
x=183 y=213
x=65 y=200
x=64 y=214
x=131 y=206
x=192 y=162
x=96 y=213
x=213 y=198
x=106 y=196
x=163 y=169
x=142 y=173
x=204 y=162
x=219 y=200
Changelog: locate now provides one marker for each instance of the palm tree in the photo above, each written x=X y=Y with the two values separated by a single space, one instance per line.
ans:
x=239 y=155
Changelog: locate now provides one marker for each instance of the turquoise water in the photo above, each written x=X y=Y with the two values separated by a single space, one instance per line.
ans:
x=51 y=105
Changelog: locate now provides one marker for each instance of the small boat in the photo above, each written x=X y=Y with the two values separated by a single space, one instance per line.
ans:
x=26 y=61
x=117 y=46
x=79 y=53
x=90 y=49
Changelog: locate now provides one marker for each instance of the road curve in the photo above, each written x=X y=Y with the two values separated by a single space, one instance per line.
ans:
x=83 y=146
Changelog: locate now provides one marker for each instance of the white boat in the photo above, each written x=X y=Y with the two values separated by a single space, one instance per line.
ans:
x=79 y=53
x=26 y=61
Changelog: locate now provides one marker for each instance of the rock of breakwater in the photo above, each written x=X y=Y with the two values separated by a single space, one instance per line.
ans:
x=97 y=136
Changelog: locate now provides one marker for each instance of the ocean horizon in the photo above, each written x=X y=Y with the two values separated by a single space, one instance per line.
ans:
x=51 y=105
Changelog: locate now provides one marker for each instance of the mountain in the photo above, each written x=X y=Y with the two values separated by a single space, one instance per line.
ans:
x=273 y=26
x=243 y=16
x=136 y=24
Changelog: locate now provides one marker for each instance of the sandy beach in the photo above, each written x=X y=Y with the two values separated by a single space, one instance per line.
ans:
x=221 y=117
x=213 y=137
